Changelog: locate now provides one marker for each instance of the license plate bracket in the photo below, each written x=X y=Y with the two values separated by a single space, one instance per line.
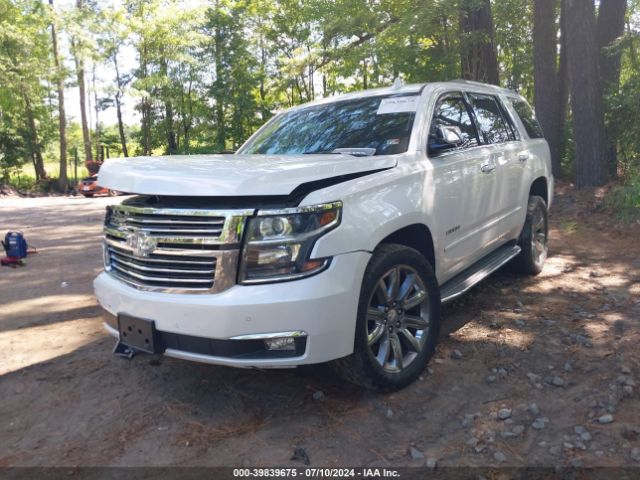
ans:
x=139 y=333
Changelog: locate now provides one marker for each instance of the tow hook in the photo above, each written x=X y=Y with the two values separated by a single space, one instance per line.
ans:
x=124 y=351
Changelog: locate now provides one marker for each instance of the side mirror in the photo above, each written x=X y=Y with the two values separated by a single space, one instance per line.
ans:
x=444 y=138
x=449 y=136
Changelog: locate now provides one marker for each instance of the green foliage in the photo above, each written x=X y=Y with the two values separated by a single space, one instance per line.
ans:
x=23 y=74
x=513 y=34
x=625 y=199
x=622 y=106
x=206 y=78
x=622 y=109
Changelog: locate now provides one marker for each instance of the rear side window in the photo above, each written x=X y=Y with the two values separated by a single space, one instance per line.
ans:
x=493 y=126
x=525 y=112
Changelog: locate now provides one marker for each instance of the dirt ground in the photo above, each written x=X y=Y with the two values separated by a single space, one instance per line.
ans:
x=566 y=341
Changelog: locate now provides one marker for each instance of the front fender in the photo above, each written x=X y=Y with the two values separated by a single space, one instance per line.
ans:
x=374 y=207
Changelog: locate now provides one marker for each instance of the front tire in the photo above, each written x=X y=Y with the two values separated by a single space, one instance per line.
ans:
x=534 y=238
x=398 y=321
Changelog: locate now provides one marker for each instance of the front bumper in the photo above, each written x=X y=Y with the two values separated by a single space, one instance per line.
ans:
x=324 y=306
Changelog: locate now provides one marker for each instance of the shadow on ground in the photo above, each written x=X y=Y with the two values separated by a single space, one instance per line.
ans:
x=563 y=340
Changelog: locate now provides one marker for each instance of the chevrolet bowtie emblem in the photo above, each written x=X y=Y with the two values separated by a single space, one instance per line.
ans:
x=141 y=243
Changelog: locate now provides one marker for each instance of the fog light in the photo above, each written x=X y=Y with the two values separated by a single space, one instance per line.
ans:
x=280 y=343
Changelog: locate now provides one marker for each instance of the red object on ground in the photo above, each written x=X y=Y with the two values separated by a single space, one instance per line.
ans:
x=11 y=261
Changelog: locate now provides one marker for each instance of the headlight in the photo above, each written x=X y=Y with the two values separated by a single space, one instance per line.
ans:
x=278 y=243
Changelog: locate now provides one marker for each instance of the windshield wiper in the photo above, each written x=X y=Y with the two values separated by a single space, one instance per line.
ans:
x=354 y=151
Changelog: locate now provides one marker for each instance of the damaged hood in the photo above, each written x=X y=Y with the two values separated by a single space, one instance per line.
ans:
x=230 y=175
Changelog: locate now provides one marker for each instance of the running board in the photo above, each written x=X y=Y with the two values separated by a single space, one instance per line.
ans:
x=465 y=280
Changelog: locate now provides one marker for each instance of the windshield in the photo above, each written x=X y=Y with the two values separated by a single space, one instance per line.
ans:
x=382 y=124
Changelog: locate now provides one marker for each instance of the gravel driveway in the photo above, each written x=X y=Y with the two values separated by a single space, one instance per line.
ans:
x=530 y=371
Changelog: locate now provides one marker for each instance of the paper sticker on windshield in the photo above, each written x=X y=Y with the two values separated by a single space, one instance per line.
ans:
x=398 y=105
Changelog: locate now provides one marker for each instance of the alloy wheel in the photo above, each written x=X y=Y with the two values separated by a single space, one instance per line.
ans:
x=539 y=236
x=398 y=318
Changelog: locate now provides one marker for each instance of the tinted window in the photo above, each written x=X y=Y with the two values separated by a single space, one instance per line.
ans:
x=525 y=112
x=493 y=127
x=451 y=111
x=372 y=122
x=513 y=131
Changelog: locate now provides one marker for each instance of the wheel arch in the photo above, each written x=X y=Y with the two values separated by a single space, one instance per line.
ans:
x=540 y=188
x=416 y=236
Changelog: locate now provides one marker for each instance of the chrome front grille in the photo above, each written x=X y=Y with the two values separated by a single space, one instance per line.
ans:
x=173 y=249
x=188 y=272
x=171 y=225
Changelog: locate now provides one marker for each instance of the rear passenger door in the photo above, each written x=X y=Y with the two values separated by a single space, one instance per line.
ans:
x=498 y=208
x=533 y=151
x=459 y=190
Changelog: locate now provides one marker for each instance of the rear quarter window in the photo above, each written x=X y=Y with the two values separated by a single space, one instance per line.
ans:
x=528 y=118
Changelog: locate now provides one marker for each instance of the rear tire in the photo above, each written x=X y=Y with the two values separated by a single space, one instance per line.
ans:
x=398 y=321
x=534 y=238
x=87 y=195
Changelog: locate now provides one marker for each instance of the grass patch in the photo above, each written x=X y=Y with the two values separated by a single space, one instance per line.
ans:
x=624 y=200
x=569 y=226
x=23 y=179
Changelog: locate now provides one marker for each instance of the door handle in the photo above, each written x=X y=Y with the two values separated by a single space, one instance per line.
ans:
x=523 y=157
x=487 y=167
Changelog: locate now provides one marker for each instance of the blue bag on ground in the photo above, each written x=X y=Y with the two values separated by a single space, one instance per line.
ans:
x=15 y=245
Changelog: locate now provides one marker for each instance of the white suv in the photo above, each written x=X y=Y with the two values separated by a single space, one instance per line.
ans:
x=333 y=235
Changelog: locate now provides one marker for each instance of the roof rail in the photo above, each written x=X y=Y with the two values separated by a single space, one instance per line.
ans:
x=473 y=82
x=480 y=84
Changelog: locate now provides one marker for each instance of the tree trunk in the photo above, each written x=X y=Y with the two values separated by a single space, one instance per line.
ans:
x=119 y=84
x=172 y=145
x=546 y=78
x=365 y=83
x=146 y=127
x=96 y=109
x=563 y=77
x=187 y=117
x=145 y=107
x=86 y=138
x=586 y=95
x=63 y=184
x=123 y=138
x=479 y=60
x=221 y=134
x=34 y=142
x=611 y=17
x=264 y=111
